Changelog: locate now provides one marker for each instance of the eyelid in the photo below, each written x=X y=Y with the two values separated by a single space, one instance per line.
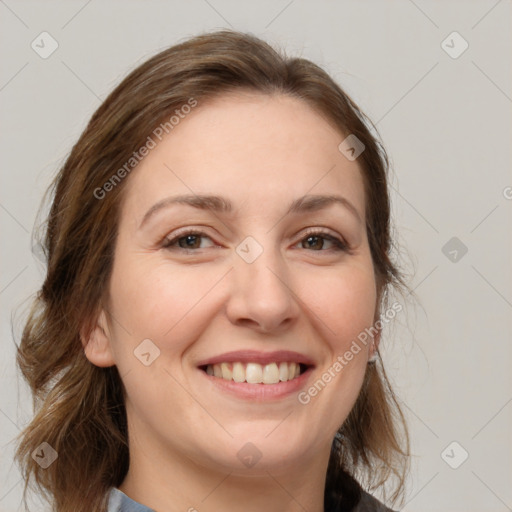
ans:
x=321 y=231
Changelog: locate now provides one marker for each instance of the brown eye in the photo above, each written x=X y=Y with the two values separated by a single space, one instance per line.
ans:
x=313 y=242
x=190 y=240
x=317 y=240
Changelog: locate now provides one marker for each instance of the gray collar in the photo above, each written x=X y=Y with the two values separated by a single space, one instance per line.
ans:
x=120 y=502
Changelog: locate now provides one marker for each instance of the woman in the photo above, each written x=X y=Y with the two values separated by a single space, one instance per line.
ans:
x=207 y=334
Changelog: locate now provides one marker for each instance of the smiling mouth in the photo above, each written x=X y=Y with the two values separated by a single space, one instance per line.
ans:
x=255 y=373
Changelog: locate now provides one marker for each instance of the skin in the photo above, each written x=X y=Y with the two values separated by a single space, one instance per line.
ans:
x=260 y=152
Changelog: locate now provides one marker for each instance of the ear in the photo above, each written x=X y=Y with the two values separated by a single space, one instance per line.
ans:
x=97 y=345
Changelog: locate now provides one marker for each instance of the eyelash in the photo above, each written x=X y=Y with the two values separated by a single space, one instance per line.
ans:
x=339 y=245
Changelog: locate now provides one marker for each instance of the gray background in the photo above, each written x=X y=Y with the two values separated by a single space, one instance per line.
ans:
x=446 y=124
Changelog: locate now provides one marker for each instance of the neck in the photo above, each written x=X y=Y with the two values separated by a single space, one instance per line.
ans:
x=167 y=481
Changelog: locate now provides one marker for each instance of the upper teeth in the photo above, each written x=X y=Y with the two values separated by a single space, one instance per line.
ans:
x=255 y=373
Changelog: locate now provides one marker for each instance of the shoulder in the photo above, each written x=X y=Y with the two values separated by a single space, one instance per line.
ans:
x=368 y=503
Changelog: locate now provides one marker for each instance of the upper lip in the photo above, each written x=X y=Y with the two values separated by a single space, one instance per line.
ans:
x=255 y=356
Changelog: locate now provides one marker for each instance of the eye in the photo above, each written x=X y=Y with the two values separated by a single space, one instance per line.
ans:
x=186 y=240
x=316 y=239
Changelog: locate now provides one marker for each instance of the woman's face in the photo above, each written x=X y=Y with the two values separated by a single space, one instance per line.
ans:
x=254 y=281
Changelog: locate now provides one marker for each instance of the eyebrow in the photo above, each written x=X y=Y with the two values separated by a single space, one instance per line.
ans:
x=304 y=204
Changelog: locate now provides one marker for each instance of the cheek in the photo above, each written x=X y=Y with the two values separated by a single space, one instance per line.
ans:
x=343 y=306
x=344 y=301
x=154 y=300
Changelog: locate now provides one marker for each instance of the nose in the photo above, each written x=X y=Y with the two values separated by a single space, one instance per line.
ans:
x=261 y=296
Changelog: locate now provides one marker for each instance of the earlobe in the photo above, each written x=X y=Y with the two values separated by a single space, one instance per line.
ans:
x=97 y=345
x=372 y=352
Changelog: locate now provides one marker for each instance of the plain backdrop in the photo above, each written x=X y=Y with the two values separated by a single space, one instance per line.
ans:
x=444 y=114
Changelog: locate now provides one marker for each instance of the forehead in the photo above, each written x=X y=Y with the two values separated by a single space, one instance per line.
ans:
x=255 y=149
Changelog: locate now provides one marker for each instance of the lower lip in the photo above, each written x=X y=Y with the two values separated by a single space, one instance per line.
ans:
x=260 y=392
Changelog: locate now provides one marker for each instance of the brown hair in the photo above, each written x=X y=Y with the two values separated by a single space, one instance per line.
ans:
x=79 y=407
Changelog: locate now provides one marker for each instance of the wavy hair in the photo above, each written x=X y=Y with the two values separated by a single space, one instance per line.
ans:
x=79 y=407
